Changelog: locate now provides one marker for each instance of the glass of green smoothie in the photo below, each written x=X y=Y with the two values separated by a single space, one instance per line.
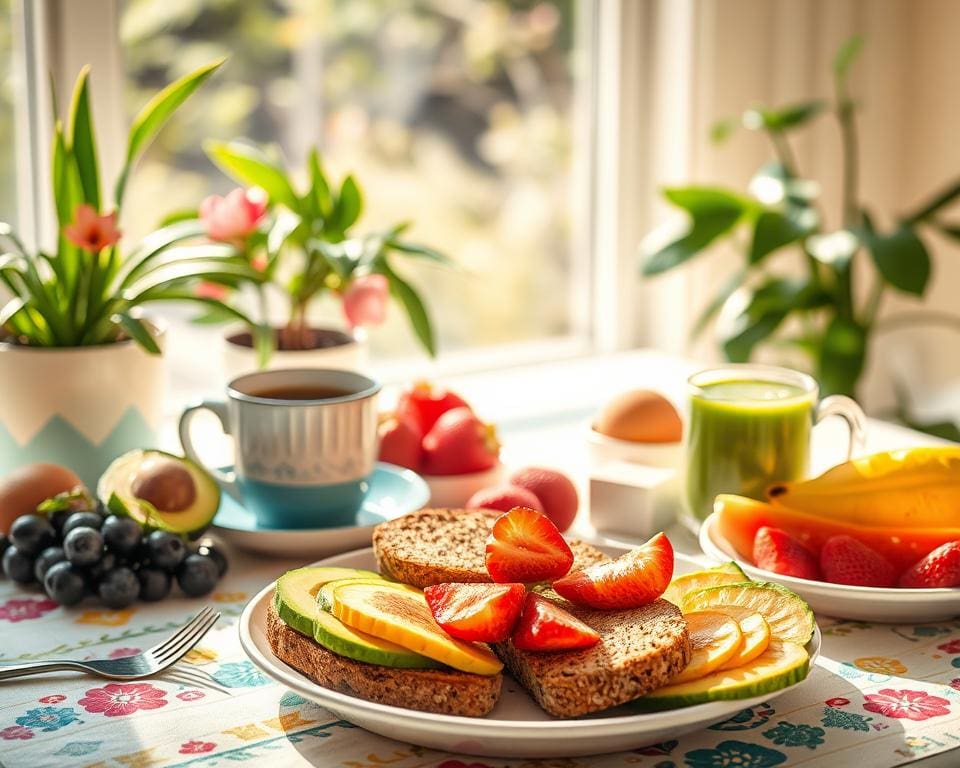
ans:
x=750 y=426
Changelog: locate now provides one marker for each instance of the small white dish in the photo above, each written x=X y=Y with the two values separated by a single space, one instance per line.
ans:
x=517 y=727
x=841 y=601
x=454 y=490
x=663 y=455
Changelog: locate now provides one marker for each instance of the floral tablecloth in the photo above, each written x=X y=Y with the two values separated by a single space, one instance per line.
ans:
x=879 y=696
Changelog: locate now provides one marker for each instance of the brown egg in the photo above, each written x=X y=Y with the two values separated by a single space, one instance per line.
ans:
x=640 y=416
x=24 y=488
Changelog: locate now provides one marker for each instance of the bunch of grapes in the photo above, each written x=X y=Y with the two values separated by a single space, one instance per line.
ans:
x=74 y=548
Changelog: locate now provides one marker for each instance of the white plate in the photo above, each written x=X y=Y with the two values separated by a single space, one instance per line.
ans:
x=517 y=727
x=840 y=600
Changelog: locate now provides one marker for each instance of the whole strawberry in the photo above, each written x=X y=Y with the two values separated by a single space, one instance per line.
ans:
x=503 y=498
x=424 y=403
x=776 y=550
x=400 y=442
x=941 y=568
x=844 y=560
x=460 y=444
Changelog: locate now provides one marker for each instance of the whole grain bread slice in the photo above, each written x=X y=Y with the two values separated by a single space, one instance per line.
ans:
x=434 y=546
x=441 y=691
x=639 y=650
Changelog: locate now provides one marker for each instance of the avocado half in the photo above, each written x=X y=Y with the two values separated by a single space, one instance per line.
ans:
x=161 y=491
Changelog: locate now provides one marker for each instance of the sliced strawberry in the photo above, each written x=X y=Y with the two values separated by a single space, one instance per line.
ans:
x=424 y=403
x=525 y=546
x=634 y=579
x=776 y=550
x=844 y=560
x=483 y=612
x=941 y=568
x=545 y=626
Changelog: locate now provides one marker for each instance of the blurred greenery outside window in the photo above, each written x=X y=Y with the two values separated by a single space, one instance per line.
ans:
x=8 y=169
x=456 y=114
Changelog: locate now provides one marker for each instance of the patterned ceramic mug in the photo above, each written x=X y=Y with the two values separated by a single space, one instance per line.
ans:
x=305 y=444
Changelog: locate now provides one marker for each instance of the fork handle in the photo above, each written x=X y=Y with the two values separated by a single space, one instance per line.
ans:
x=10 y=671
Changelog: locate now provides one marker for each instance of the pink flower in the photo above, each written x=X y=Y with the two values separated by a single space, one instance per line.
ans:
x=912 y=705
x=259 y=262
x=16 y=732
x=951 y=647
x=29 y=608
x=235 y=216
x=122 y=653
x=55 y=699
x=118 y=699
x=365 y=300
x=195 y=747
x=190 y=695
x=206 y=290
x=91 y=231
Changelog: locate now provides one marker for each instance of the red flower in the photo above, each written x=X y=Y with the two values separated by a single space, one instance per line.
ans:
x=54 y=699
x=232 y=218
x=21 y=610
x=16 y=732
x=190 y=695
x=951 y=647
x=91 y=231
x=119 y=699
x=195 y=747
x=912 y=705
x=365 y=300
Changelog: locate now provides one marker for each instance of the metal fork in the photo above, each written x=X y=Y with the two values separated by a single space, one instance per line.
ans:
x=144 y=664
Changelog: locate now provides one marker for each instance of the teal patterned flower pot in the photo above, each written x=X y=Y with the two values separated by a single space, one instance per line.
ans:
x=80 y=407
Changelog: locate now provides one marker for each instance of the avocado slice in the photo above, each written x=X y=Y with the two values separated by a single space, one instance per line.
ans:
x=295 y=599
x=161 y=492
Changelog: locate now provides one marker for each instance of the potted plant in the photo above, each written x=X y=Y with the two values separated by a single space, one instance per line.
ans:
x=80 y=366
x=811 y=311
x=303 y=246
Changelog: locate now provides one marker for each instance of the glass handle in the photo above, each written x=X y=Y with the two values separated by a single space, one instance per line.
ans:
x=847 y=409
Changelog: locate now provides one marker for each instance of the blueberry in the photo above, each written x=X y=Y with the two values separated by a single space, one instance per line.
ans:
x=83 y=546
x=65 y=583
x=166 y=550
x=119 y=588
x=209 y=549
x=31 y=533
x=81 y=520
x=18 y=566
x=49 y=557
x=154 y=584
x=121 y=534
x=197 y=575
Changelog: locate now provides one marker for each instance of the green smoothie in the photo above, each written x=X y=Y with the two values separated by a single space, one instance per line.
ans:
x=743 y=435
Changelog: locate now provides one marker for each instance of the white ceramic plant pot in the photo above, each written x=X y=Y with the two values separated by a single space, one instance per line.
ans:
x=80 y=407
x=353 y=356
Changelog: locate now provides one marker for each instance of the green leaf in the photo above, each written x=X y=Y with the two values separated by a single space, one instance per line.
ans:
x=721 y=130
x=142 y=259
x=706 y=200
x=950 y=230
x=414 y=249
x=901 y=258
x=348 y=206
x=940 y=200
x=717 y=302
x=12 y=308
x=774 y=230
x=251 y=166
x=412 y=303
x=319 y=187
x=138 y=331
x=156 y=113
x=214 y=315
x=845 y=57
x=764 y=118
x=842 y=357
x=82 y=142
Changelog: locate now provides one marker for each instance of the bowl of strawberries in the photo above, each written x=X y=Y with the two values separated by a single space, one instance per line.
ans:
x=437 y=434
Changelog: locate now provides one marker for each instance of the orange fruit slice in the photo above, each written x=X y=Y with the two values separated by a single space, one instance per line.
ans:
x=715 y=639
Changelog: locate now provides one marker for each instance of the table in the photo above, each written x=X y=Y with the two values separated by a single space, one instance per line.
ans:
x=881 y=695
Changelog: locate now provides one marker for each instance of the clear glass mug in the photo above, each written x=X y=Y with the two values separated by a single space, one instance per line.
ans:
x=750 y=426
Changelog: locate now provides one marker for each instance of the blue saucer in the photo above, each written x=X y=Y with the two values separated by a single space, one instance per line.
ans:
x=394 y=492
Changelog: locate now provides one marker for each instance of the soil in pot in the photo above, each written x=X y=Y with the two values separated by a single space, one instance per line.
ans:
x=306 y=339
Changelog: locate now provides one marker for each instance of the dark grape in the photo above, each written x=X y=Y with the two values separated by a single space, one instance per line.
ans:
x=119 y=588
x=154 y=583
x=18 y=566
x=108 y=562
x=121 y=534
x=65 y=583
x=4 y=543
x=81 y=520
x=57 y=519
x=49 y=557
x=31 y=533
x=210 y=549
x=83 y=546
x=197 y=575
x=165 y=550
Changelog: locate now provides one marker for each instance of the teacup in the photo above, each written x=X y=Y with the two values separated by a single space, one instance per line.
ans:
x=305 y=444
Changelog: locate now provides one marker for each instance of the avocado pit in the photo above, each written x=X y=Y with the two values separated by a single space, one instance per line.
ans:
x=165 y=484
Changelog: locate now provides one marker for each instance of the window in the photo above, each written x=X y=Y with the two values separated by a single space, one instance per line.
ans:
x=459 y=116
x=8 y=184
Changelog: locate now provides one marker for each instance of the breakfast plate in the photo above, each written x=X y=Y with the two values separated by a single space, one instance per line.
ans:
x=889 y=605
x=516 y=727
x=394 y=492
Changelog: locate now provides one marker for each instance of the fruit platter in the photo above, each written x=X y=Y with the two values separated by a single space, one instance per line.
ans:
x=873 y=539
x=488 y=633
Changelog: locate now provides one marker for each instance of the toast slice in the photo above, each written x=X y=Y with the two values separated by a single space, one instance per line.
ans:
x=434 y=546
x=639 y=650
x=441 y=691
